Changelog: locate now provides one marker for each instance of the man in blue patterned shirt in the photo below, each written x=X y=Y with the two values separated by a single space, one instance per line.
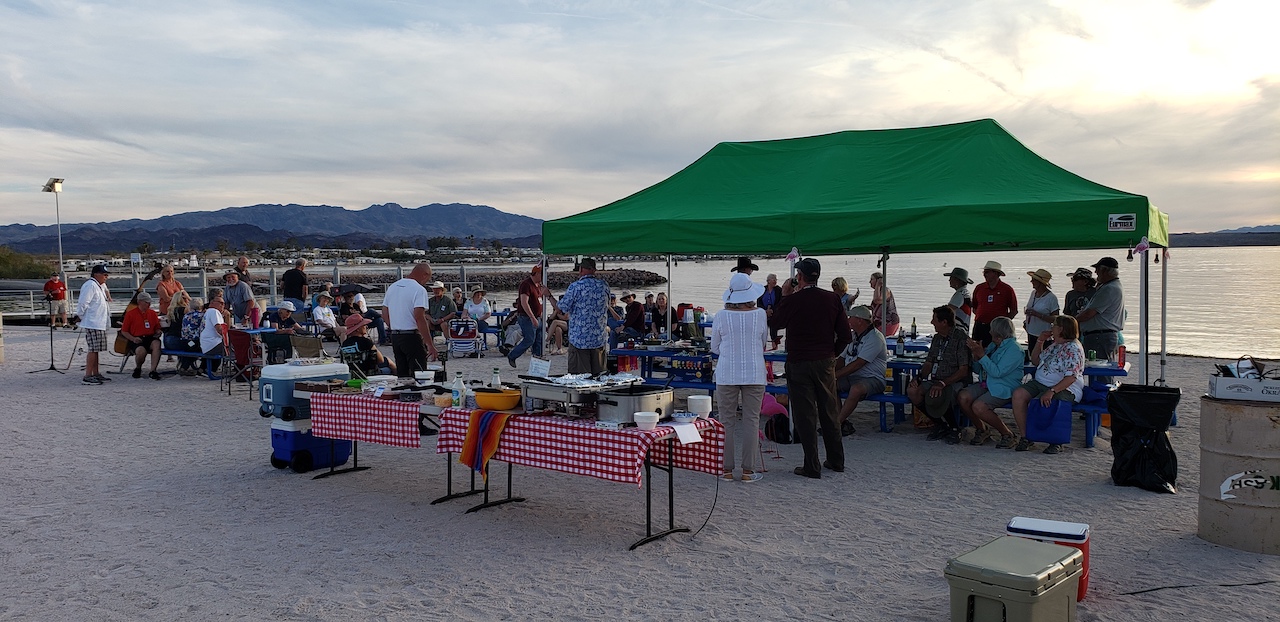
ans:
x=587 y=303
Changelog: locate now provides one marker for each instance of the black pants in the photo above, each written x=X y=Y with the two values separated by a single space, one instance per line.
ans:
x=410 y=353
x=981 y=333
x=811 y=387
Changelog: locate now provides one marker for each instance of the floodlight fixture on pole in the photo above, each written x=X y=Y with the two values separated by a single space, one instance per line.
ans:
x=54 y=185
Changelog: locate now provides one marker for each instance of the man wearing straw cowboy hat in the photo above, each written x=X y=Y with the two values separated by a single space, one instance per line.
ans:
x=816 y=332
x=992 y=298
x=961 y=304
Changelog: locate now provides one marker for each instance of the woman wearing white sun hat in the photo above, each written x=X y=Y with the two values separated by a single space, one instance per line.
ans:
x=739 y=335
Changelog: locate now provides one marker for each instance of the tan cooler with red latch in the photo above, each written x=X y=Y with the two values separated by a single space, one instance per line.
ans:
x=1015 y=580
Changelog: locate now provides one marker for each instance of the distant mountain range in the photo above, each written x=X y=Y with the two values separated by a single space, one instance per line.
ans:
x=323 y=226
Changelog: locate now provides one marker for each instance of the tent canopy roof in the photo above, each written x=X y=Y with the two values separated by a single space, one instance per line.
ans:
x=960 y=187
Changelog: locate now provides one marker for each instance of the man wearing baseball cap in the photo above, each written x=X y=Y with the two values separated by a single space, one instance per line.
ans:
x=817 y=331
x=1103 y=318
x=141 y=328
x=94 y=311
x=860 y=371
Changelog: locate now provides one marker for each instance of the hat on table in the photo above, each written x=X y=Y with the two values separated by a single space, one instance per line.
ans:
x=742 y=289
x=355 y=321
x=744 y=263
x=1107 y=262
x=1041 y=275
x=862 y=312
x=994 y=265
x=286 y=306
x=960 y=273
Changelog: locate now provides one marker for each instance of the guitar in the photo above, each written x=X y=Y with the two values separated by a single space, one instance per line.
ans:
x=122 y=345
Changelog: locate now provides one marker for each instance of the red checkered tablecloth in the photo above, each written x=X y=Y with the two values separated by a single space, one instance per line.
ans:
x=361 y=418
x=555 y=443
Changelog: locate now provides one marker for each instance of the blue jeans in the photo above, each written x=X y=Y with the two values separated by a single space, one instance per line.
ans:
x=529 y=338
x=375 y=322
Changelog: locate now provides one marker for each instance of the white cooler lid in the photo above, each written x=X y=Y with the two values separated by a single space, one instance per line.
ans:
x=1047 y=529
x=1018 y=563
x=297 y=425
x=297 y=372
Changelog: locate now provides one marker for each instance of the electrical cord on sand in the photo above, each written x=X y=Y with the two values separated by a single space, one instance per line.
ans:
x=1178 y=587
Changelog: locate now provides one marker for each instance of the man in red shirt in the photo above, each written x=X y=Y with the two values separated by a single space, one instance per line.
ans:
x=55 y=291
x=141 y=327
x=529 y=316
x=992 y=298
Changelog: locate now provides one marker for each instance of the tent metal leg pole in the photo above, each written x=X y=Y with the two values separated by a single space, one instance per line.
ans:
x=670 y=311
x=1143 y=313
x=1164 y=317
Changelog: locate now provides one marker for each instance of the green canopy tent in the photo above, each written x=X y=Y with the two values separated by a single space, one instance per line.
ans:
x=960 y=187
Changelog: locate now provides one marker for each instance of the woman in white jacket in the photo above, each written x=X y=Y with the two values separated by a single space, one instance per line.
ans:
x=739 y=335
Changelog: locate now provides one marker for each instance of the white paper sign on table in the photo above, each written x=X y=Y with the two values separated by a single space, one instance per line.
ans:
x=539 y=367
x=687 y=433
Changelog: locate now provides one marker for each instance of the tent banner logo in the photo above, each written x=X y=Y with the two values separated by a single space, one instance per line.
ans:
x=1122 y=222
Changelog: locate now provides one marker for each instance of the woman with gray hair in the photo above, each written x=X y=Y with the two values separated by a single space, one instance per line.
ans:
x=999 y=368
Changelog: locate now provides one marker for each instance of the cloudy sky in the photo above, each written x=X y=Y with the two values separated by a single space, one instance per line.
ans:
x=553 y=108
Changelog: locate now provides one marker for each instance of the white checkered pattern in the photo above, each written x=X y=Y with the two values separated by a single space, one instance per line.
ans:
x=361 y=418
x=555 y=443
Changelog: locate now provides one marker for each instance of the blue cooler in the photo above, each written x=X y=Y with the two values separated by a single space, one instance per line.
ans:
x=292 y=445
x=276 y=388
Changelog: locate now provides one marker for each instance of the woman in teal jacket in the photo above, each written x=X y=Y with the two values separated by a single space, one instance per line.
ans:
x=1000 y=369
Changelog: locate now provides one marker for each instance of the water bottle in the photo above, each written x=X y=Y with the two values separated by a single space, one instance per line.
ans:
x=496 y=380
x=914 y=334
x=458 y=388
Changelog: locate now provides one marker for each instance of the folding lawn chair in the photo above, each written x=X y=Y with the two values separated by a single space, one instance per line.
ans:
x=464 y=338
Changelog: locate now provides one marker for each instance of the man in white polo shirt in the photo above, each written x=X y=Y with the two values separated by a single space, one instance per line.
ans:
x=404 y=310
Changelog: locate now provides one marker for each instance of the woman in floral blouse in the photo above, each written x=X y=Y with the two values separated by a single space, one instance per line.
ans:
x=1059 y=375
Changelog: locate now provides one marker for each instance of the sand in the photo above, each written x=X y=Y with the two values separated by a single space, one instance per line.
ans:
x=144 y=500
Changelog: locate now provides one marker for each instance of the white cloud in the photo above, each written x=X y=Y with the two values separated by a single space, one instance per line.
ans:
x=551 y=108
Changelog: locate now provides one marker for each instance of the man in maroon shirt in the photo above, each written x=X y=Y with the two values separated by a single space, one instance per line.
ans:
x=529 y=316
x=817 y=332
x=991 y=299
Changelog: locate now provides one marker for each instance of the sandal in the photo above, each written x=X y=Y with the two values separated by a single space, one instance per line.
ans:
x=751 y=476
x=728 y=475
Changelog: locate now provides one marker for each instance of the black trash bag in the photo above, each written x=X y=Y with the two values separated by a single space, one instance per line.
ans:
x=1143 y=455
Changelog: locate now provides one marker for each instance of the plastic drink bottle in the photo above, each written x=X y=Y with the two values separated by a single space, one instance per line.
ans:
x=458 y=388
x=496 y=380
x=1120 y=356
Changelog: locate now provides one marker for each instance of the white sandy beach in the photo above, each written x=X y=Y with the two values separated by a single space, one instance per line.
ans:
x=144 y=500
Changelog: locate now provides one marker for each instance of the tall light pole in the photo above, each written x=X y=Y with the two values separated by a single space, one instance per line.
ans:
x=54 y=185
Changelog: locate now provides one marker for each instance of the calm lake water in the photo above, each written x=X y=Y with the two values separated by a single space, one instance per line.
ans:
x=1222 y=301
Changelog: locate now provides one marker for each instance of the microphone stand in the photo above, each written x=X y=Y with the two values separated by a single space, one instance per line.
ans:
x=51 y=367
